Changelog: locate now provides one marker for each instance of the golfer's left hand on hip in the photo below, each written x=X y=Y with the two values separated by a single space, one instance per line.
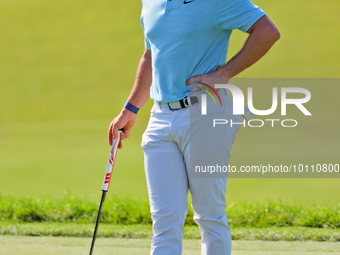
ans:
x=211 y=79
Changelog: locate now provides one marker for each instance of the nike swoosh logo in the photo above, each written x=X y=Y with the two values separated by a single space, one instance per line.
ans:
x=188 y=2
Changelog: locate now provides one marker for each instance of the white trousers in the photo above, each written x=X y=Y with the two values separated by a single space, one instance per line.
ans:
x=174 y=144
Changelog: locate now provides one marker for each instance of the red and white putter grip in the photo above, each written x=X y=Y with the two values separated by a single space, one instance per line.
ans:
x=111 y=162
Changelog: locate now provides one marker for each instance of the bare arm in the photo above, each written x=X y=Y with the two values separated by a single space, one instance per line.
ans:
x=262 y=36
x=138 y=97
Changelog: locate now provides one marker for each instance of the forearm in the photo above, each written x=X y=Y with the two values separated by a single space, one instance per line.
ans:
x=141 y=89
x=138 y=97
x=262 y=37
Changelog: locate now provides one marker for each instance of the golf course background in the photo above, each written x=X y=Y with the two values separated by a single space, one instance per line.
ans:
x=67 y=67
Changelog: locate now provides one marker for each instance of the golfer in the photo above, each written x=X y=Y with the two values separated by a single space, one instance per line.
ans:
x=186 y=44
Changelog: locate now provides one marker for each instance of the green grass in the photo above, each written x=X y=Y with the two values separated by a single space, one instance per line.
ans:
x=124 y=211
x=145 y=231
x=66 y=68
x=15 y=245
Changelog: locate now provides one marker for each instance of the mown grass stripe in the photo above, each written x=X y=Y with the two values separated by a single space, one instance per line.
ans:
x=145 y=231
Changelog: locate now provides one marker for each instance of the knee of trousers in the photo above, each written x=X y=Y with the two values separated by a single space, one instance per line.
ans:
x=210 y=210
x=211 y=221
x=169 y=224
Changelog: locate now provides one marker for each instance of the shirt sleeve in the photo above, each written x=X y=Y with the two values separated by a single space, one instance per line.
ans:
x=237 y=14
x=146 y=39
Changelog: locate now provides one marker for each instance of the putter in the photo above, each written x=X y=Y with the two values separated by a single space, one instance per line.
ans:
x=106 y=184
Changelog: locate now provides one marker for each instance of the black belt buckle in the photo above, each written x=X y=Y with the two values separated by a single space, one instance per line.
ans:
x=184 y=103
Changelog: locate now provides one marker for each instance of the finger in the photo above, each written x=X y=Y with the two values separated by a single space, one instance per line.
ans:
x=109 y=135
x=196 y=78
x=122 y=136
x=115 y=131
x=120 y=145
x=127 y=133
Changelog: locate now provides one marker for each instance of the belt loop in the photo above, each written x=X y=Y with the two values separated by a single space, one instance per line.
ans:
x=224 y=91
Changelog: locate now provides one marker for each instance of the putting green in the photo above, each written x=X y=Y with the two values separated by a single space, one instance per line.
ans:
x=15 y=245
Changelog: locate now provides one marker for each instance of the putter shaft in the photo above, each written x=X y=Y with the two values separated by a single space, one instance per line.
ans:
x=106 y=184
x=97 y=221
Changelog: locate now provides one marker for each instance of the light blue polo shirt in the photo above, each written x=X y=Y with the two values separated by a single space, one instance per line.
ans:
x=190 y=37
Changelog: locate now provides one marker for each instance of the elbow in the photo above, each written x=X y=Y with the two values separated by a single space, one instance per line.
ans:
x=266 y=30
x=273 y=34
x=276 y=35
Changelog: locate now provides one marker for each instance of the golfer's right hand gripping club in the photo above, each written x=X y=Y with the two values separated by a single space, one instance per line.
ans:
x=111 y=162
x=106 y=183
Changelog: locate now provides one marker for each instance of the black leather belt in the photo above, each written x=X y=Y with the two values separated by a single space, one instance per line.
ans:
x=180 y=104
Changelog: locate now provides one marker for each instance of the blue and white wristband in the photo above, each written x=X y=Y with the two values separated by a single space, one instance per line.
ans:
x=131 y=107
